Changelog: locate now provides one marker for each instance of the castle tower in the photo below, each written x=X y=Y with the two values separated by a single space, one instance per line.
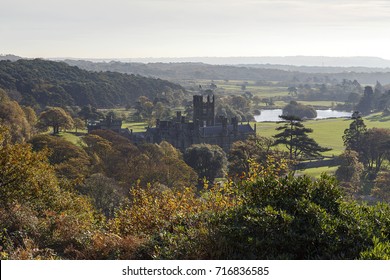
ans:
x=204 y=111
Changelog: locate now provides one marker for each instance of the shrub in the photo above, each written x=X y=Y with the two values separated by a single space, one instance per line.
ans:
x=276 y=217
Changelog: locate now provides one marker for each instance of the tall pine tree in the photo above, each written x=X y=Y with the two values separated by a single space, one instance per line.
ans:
x=293 y=134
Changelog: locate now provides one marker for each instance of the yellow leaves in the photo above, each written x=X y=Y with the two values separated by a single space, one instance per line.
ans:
x=156 y=208
x=272 y=167
x=152 y=208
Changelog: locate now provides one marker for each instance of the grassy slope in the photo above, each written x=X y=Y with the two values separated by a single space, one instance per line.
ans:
x=327 y=133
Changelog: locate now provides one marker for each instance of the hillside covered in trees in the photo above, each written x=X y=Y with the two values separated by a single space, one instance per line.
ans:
x=47 y=83
x=185 y=71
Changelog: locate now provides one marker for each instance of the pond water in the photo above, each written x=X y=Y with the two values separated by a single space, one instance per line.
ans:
x=273 y=115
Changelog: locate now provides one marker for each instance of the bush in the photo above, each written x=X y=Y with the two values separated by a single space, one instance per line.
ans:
x=277 y=218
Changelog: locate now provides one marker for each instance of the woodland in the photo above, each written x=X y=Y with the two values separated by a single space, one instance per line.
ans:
x=69 y=194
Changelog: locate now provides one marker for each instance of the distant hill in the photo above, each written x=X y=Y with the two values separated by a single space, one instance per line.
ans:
x=323 y=61
x=267 y=72
x=10 y=57
x=318 y=69
x=49 y=83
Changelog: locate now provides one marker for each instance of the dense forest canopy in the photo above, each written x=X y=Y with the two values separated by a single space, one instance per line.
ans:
x=47 y=83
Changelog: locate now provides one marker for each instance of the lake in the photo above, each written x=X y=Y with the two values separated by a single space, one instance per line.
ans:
x=273 y=115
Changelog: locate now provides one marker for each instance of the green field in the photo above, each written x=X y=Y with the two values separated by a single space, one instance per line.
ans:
x=316 y=172
x=327 y=104
x=73 y=137
x=135 y=126
x=234 y=87
x=328 y=132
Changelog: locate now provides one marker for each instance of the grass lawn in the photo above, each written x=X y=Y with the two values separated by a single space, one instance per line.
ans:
x=135 y=126
x=316 y=172
x=328 y=104
x=234 y=87
x=328 y=132
x=73 y=137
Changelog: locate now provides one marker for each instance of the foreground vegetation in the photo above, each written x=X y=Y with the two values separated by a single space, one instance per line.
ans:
x=66 y=194
x=266 y=214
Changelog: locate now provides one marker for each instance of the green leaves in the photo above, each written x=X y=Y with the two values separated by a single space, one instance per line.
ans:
x=294 y=136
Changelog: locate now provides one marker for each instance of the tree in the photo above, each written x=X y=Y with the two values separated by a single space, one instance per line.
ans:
x=164 y=165
x=294 y=136
x=353 y=98
x=239 y=103
x=353 y=135
x=381 y=189
x=34 y=209
x=366 y=103
x=69 y=161
x=78 y=124
x=255 y=148
x=104 y=192
x=209 y=161
x=256 y=99
x=350 y=171
x=116 y=157
x=375 y=148
x=89 y=113
x=293 y=91
x=13 y=116
x=299 y=110
x=56 y=118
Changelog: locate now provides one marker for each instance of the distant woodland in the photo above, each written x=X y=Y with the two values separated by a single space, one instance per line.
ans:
x=284 y=74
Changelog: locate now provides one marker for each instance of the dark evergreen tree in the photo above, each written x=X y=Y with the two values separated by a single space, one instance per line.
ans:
x=353 y=135
x=294 y=136
x=366 y=103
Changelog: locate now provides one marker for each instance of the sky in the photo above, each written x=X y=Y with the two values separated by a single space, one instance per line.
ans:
x=194 y=28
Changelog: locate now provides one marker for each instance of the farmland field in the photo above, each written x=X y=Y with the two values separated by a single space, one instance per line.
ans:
x=235 y=87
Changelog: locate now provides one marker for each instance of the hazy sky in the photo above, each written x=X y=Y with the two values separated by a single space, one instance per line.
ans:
x=177 y=28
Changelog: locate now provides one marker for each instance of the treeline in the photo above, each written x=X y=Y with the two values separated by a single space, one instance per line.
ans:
x=191 y=71
x=40 y=83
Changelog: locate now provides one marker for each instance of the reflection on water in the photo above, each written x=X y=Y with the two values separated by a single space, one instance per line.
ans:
x=273 y=115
